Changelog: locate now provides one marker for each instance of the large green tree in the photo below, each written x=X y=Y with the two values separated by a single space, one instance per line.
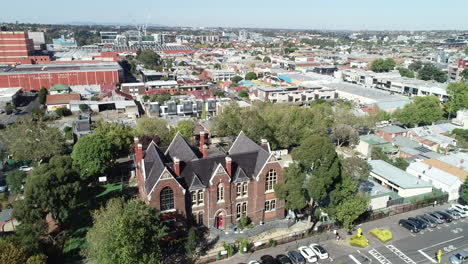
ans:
x=119 y=134
x=464 y=191
x=356 y=168
x=31 y=140
x=431 y=72
x=42 y=95
x=424 y=110
x=52 y=188
x=317 y=155
x=154 y=127
x=383 y=65
x=93 y=155
x=15 y=181
x=464 y=74
x=406 y=72
x=126 y=233
x=351 y=208
x=186 y=128
x=292 y=190
x=150 y=59
x=458 y=92
x=251 y=76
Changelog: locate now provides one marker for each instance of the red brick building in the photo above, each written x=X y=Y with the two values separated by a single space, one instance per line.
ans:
x=210 y=189
x=390 y=132
x=14 y=46
x=33 y=77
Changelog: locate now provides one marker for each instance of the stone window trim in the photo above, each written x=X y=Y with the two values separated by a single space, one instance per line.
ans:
x=198 y=197
x=242 y=190
x=270 y=205
x=270 y=181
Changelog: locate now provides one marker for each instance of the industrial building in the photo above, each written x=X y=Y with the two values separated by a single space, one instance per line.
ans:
x=15 y=45
x=33 y=77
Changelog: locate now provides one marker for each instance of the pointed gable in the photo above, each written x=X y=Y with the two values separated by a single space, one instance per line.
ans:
x=196 y=183
x=154 y=165
x=181 y=149
x=240 y=176
x=244 y=144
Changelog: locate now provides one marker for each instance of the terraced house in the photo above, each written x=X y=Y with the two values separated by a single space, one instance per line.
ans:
x=207 y=186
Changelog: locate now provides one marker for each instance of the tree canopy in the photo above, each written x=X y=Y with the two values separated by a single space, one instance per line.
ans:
x=149 y=58
x=154 y=127
x=292 y=191
x=126 y=233
x=186 y=128
x=15 y=181
x=383 y=65
x=119 y=134
x=423 y=111
x=31 y=140
x=52 y=188
x=406 y=72
x=42 y=95
x=464 y=194
x=93 y=155
x=458 y=92
x=251 y=76
x=431 y=72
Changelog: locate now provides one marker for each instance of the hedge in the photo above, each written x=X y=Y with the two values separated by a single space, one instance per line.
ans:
x=382 y=235
x=359 y=242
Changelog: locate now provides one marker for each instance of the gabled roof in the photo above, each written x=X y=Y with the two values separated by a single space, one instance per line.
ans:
x=240 y=176
x=196 y=183
x=244 y=144
x=154 y=165
x=181 y=149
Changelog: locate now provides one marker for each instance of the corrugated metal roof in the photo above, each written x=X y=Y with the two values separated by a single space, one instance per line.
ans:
x=397 y=176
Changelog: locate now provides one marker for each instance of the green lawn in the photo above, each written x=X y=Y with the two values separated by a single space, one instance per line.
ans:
x=95 y=197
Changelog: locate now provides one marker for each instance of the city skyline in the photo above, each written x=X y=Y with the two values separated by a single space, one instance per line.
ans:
x=331 y=15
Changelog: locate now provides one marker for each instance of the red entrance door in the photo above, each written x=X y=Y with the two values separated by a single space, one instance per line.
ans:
x=219 y=221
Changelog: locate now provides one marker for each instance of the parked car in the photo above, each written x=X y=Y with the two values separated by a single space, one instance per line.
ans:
x=410 y=225
x=25 y=168
x=459 y=258
x=420 y=223
x=446 y=216
x=454 y=214
x=296 y=257
x=267 y=259
x=431 y=222
x=3 y=185
x=308 y=254
x=462 y=209
x=254 y=262
x=283 y=259
x=319 y=251
x=440 y=218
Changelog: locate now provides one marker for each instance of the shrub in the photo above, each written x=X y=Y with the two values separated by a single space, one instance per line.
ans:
x=244 y=222
x=229 y=248
x=272 y=243
x=63 y=111
x=359 y=241
x=243 y=245
x=382 y=235
x=84 y=107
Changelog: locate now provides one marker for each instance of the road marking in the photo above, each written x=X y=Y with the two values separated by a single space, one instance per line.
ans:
x=430 y=230
x=438 y=227
x=425 y=255
x=400 y=254
x=354 y=259
x=379 y=257
x=450 y=240
x=412 y=234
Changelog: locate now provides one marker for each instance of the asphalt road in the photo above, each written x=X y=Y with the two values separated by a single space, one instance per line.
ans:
x=405 y=247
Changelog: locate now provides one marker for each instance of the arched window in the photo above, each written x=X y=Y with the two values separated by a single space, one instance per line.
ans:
x=167 y=199
x=220 y=194
x=270 y=180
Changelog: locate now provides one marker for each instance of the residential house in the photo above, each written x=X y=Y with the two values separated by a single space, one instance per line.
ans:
x=397 y=180
x=390 y=132
x=438 y=178
x=454 y=164
x=368 y=142
x=210 y=187
x=57 y=101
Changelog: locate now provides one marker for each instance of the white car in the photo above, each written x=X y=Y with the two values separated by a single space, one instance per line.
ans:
x=319 y=251
x=254 y=262
x=308 y=254
x=25 y=168
x=461 y=209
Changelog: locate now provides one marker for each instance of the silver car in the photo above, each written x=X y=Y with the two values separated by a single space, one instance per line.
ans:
x=459 y=258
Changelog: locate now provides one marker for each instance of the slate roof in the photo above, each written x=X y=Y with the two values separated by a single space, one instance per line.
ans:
x=247 y=158
x=181 y=149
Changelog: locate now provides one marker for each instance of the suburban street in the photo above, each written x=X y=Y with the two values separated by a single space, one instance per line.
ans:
x=404 y=248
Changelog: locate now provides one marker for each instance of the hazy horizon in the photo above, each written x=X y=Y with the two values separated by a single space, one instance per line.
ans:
x=300 y=14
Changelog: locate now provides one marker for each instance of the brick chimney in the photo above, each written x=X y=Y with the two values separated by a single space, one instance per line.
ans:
x=202 y=140
x=138 y=151
x=264 y=143
x=177 y=166
x=205 y=151
x=229 y=165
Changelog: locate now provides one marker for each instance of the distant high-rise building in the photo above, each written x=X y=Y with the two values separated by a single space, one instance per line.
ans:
x=108 y=37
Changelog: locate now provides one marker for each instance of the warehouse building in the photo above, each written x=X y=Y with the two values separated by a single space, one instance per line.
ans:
x=33 y=77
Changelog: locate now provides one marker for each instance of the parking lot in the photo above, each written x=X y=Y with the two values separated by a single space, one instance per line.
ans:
x=405 y=247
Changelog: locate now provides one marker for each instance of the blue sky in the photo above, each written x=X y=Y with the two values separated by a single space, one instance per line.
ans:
x=299 y=14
